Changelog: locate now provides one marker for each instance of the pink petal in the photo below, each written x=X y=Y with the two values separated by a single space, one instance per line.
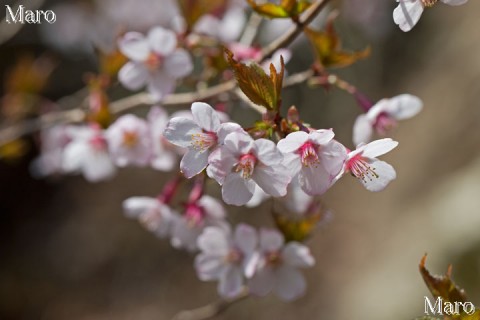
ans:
x=290 y=284
x=239 y=143
x=245 y=238
x=321 y=136
x=379 y=147
x=193 y=162
x=266 y=151
x=315 y=180
x=236 y=190
x=332 y=157
x=404 y=106
x=273 y=180
x=227 y=128
x=385 y=174
x=162 y=41
x=297 y=255
x=215 y=241
x=221 y=162
x=135 y=46
x=292 y=142
x=213 y=208
x=209 y=267
x=179 y=131
x=160 y=84
x=179 y=64
x=271 y=240
x=231 y=282
x=133 y=75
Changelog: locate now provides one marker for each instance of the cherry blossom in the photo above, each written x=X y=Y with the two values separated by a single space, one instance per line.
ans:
x=242 y=163
x=408 y=12
x=384 y=115
x=155 y=61
x=316 y=157
x=164 y=155
x=227 y=28
x=53 y=142
x=200 y=135
x=363 y=164
x=87 y=153
x=154 y=215
x=129 y=141
x=227 y=257
x=199 y=214
x=277 y=269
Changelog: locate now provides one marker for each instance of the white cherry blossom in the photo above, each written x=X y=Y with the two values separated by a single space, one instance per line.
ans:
x=129 y=141
x=384 y=115
x=277 y=268
x=155 y=61
x=164 y=155
x=408 y=12
x=241 y=164
x=363 y=164
x=87 y=153
x=227 y=257
x=316 y=157
x=201 y=135
x=154 y=215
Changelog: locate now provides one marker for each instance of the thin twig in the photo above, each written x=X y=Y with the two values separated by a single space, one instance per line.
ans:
x=210 y=310
x=296 y=30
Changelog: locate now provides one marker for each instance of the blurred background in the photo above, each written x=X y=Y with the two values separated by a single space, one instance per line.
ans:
x=67 y=251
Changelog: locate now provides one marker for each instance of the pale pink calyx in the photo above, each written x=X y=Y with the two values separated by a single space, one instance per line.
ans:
x=246 y=165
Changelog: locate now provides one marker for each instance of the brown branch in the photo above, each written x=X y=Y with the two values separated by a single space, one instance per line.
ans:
x=210 y=310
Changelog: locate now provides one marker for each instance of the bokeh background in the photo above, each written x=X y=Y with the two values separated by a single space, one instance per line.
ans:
x=67 y=252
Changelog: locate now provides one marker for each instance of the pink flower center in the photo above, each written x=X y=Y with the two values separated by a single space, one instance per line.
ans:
x=130 y=139
x=273 y=258
x=309 y=155
x=151 y=219
x=154 y=61
x=194 y=214
x=360 y=168
x=203 y=141
x=246 y=165
x=98 y=143
x=384 y=124
x=235 y=256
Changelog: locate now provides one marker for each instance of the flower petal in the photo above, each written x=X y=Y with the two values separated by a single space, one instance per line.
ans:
x=179 y=64
x=379 y=147
x=231 y=282
x=193 y=162
x=135 y=46
x=407 y=14
x=239 y=143
x=227 y=128
x=404 y=106
x=292 y=142
x=135 y=206
x=205 y=116
x=315 y=180
x=214 y=241
x=290 y=284
x=454 y=2
x=213 y=208
x=297 y=255
x=273 y=180
x=162 y=41
x=262 y=283
x=221 y=162
x=179 y=131
x=385 y=174
x=321 y=136
x=362 y=130
x=236 y=190
x=270 y=240
x=209 y=267
x=245 y=238
x=160 y=84
x=133 y=75
x=332 y=157
x=266 y=151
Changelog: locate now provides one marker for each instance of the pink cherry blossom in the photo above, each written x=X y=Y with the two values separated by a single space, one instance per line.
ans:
x=227 y=257
x=363 y=164
x=164 y=155
x=408 y=12
x=241 y=164
x=53 y=142
x=199 y=214
x=277 y=269
x=316 y=157
x=87 y=153
x=384 y=115
x=154 y=215
x=155 y=61
x=129 y=141
x=200 y=135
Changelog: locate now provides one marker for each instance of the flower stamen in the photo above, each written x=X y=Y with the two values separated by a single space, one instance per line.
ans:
x=246 y=165
x=309 y=155
x=203 y=141
x=360 y=169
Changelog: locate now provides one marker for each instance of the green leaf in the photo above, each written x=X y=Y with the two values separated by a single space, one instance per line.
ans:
x=286 y=9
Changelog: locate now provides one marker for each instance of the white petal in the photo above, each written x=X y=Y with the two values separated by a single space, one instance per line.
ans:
x=209 y=267
x=205 y=116
x=322 y=136
x=385 y=174
x=245 y=238
x=214 y=241
x=232 y=24
x=221 y=162
x=227 y=128
x=98 y=166
x=315 y=180
x=262 y=283
x=208 y=25
x=258 y=197
x=133 y=75
x=293 y=162
x=270 y=240
x=332 y=157
x=162 y=41
x=290 y=284
x=193 y=162
x=297 y=255
x=231 y=282
x=407 y=14
x=362 y=130
x=213 y=207
x=239 y=143
x=404 y=106
x=135 y=46
x=292 y=142
x=179 y=64
x=379 y=147
x=135 y=206
x=236 y=190
x=164 y=161
x=73 y=156
x=266 y=151
x=179 y=131
x=273 y=180
x=160 y=84
x=454 y=2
